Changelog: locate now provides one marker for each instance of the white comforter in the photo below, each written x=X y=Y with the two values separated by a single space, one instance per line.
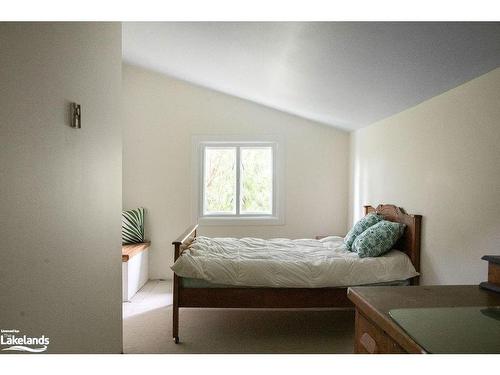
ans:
x=285 y=263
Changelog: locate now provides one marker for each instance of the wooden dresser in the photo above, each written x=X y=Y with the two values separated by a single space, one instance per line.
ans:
x=377 y=332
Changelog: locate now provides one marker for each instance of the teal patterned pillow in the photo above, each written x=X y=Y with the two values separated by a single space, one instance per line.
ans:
x=363 y=224
x=133 y=226
x=378 y=239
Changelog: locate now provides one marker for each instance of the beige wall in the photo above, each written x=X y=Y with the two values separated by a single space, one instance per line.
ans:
x=440 y=159
x=60 y=190
x=161 y=115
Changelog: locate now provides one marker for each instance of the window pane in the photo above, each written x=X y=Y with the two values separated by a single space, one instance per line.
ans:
x=219 y=180
x=256 y=176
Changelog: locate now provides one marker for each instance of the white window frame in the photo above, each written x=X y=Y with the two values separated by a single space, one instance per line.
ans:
x=198 y=158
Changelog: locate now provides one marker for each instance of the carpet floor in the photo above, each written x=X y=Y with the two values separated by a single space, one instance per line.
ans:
x=147 y=328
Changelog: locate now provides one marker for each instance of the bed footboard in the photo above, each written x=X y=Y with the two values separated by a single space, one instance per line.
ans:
x=185 y=238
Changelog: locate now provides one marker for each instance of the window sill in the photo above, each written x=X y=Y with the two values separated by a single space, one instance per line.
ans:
x=229 y=221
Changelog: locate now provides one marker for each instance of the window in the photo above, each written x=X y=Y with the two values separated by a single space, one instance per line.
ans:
x=238 y=182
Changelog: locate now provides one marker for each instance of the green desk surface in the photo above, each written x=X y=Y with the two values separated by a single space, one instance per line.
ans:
x=443 y=330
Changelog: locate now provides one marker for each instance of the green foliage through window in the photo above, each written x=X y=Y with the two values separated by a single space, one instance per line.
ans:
x=256 y=176
x=255 y=185
x=220 y=180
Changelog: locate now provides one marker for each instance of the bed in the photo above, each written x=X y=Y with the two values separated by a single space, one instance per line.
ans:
x=259 y=290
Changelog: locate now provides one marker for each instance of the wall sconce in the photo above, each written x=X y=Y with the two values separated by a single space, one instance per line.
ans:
x=76 y=115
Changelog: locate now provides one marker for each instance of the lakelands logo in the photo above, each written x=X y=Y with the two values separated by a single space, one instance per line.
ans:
x=22 y=343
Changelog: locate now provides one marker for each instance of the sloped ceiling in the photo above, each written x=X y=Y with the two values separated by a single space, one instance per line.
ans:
x=344 y=74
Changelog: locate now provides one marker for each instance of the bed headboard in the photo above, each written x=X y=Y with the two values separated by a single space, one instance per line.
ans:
x=409 y=243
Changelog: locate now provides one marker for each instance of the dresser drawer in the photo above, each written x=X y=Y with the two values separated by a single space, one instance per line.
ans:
x=369 y=339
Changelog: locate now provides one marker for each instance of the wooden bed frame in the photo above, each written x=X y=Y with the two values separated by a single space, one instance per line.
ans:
x=286 y=297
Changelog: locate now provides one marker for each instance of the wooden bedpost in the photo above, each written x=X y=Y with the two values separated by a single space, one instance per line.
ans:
x=181 y=241
x=175 y=306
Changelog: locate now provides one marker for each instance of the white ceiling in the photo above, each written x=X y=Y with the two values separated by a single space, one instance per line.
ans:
x=345 y=74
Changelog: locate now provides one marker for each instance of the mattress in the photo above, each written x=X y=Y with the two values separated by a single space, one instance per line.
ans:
x=286 y=263
x=188 y=282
